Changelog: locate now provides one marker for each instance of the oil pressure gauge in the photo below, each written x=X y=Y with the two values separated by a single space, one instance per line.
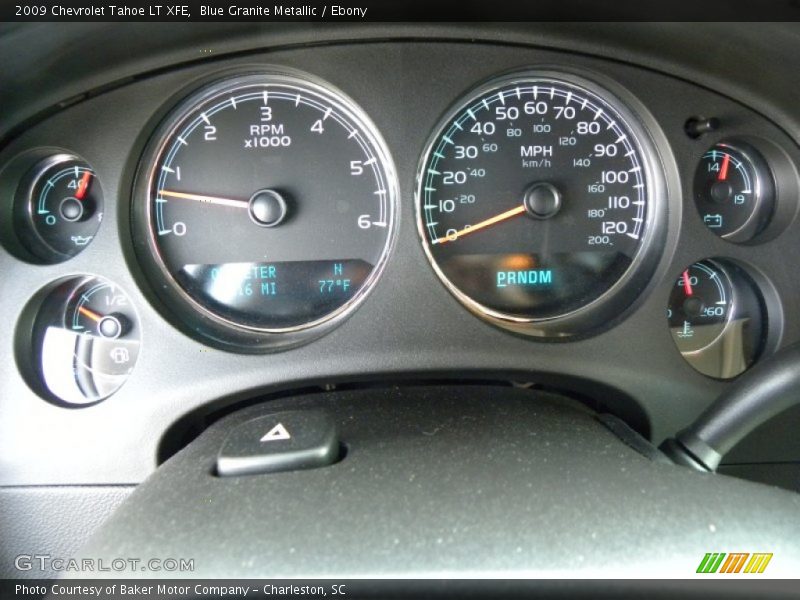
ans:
x=58 y=208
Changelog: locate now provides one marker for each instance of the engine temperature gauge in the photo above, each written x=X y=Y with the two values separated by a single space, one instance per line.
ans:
x=86 y=340
x=700 y=307
x=717 y=318
x=734 y=191
x=59 y=208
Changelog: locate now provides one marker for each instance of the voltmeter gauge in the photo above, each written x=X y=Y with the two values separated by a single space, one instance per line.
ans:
x=734 y=191
x=717 y=318
x=58 y=208
x=85 y=340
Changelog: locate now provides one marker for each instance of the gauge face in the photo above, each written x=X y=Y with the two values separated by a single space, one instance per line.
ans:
x=536 y=197
x=86 y=340
x=717 y=318
x=269 y=205
x=700 y=306
x=734 y=191
x=59 y=208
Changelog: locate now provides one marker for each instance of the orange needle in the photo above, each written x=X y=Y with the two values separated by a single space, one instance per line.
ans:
x=83 y=185
x=478 y=226
x=90 y=313
x=723 y=171
x=207 y=199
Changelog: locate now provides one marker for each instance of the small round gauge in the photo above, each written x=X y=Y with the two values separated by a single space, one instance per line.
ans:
x=86 y=340
x=540 y=205
x=716 y=317
x=700 y=306
x=264 y=209
x=734 y=191
x=59 y=208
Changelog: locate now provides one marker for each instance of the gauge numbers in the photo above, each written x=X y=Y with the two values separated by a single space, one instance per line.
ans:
x=270 y=206
x=535 y=198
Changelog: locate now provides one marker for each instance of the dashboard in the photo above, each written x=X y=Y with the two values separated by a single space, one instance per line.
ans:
x=241 y=213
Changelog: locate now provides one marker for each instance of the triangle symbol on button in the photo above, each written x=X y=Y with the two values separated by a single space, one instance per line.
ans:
x=276 y=433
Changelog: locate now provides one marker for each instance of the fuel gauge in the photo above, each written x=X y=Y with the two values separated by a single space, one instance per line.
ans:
x=85 y=340
x=716 y=317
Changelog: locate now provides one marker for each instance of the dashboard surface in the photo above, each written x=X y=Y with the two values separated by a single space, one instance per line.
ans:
x=409 y=327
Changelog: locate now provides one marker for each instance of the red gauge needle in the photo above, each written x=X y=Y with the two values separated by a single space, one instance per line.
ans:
x=207 y=199
x=478 y=226
x=723 y=170
x=83 y=185
x=687 y=285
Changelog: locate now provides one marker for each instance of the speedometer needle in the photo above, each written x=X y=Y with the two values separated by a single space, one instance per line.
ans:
x=478 y=226
x=207 y=199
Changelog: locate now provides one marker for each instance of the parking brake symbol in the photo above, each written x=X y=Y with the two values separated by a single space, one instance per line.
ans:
x=276 y=433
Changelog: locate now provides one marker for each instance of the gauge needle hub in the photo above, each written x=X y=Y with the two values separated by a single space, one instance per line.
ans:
x=206 y=199
x=518 y=210
x=108 y=326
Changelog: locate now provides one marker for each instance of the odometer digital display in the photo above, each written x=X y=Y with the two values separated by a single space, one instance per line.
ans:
x=267 y=205
x=535 y=198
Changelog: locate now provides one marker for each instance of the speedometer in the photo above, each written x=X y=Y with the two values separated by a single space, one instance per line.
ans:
x=540 y=203
x=264 y=209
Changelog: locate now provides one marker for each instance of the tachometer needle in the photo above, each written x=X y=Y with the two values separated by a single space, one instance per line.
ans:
x=723 y=170
x=208 y=199
x=687 y=285
x=83 y=185
x=478 y=226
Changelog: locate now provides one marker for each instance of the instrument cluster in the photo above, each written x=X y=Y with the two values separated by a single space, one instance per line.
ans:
x=265 y=203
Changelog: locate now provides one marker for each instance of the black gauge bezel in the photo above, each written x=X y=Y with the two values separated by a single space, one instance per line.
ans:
x=198 y=320
x=618 y=299
x=25 y=207
x=43 y=309
x=764 y=190
x=751 y=290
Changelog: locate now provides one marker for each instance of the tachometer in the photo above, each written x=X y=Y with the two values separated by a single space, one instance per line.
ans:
x=540 y=203
x=265 y=208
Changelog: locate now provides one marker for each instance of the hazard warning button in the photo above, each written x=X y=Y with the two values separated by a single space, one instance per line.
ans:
x=301 y=439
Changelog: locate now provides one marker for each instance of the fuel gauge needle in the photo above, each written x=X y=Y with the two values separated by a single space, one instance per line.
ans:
x=207 y=199
x=90 y=314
